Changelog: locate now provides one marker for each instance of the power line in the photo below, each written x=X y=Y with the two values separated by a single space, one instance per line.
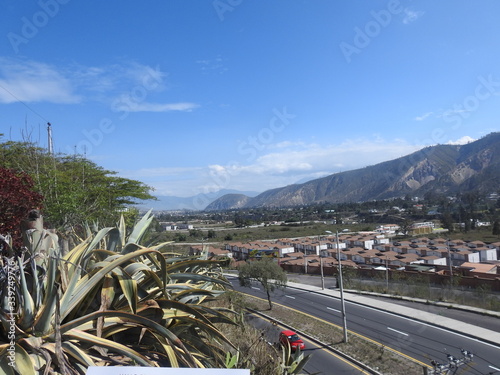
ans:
x=23 y=103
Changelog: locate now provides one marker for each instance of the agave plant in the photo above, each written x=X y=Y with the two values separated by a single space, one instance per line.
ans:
x=108 y=301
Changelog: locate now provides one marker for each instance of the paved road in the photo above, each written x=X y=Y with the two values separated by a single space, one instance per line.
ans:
x=475 y=318
x=388 y=325
x=322 y=361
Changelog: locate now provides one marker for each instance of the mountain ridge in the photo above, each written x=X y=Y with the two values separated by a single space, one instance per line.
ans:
x=442 y=168
x=194 y=203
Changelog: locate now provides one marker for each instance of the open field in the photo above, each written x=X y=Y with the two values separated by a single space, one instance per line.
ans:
x=304 y=229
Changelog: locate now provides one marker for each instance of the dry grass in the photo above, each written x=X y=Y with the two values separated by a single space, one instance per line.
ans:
x=254 y=351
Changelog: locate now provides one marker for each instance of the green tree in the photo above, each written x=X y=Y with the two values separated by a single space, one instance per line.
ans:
x=496 y=228
x=180 y=237
x=239 y=220
x=406 y=226
x=447 y=221
x=75 y=190
x=267 y=272
x=195 y=233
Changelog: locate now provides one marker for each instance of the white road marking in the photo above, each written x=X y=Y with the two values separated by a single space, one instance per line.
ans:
x=494 y=368
x=402 y=333
x=289 y=296
x=329 y=308
x=254 y=287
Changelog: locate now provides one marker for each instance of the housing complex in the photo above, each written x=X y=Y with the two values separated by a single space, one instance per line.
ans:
x=374 y=250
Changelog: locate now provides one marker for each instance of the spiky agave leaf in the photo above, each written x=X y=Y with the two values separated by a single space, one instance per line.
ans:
x=113 y=289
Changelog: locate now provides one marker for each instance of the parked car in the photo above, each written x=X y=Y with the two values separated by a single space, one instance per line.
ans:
x=292 y=338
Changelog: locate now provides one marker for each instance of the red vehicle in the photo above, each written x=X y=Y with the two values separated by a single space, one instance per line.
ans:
x=293 y=339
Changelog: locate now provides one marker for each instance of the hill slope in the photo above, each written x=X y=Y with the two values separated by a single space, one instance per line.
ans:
x=446 y=169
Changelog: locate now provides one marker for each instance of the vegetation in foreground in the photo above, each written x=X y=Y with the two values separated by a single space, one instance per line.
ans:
x=109 y=301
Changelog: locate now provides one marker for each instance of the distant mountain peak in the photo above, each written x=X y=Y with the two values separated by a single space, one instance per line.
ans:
x=196 y=202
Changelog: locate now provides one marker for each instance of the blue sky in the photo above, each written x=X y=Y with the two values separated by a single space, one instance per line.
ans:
x=196 y=96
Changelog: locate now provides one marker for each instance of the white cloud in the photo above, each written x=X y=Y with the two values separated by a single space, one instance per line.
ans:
x=160 y=172
x=424 y=116
x=34 y=82
x=126 y=86
x=213 y=65
x=283 y=166
x=461 y=141
x=411 y=15
x=130 y=106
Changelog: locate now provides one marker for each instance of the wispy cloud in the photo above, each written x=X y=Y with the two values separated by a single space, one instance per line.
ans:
x=155 y=107
x=34 y=82
x=454 y=111
x=410 y=15
x=424 y=116
x=115 y=78
x=440 y=113
x=461 y=141
x=212 y=65
x=287 y=164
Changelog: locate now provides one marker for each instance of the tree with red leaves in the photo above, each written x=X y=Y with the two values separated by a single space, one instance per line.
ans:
x=17 y=199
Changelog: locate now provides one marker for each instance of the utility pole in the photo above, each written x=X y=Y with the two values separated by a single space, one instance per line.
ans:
x=449 y=263
x=49 y=140
x=321 y=263
x=342 y=302
x=341 y=286
x=386 y=275
x=322 y=276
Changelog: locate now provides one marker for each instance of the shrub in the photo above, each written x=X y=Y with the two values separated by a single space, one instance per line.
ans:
x=17 y=199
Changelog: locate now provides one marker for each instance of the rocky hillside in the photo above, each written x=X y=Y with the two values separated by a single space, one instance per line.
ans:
x=229 y=200
x=446 y=169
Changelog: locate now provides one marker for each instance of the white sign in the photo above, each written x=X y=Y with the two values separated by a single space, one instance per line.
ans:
x=132 y=370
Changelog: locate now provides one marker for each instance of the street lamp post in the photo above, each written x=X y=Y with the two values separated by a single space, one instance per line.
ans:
x=386 y=275
x=321 y=263
x=322 y=276
x=450 y=265
x=341 y=286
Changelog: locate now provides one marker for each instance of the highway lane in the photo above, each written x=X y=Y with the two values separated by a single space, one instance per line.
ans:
x=322 y=360
x=415 y=339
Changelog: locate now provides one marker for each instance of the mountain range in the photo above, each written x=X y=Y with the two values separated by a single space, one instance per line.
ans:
x=196 y=202
x=446 y=169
